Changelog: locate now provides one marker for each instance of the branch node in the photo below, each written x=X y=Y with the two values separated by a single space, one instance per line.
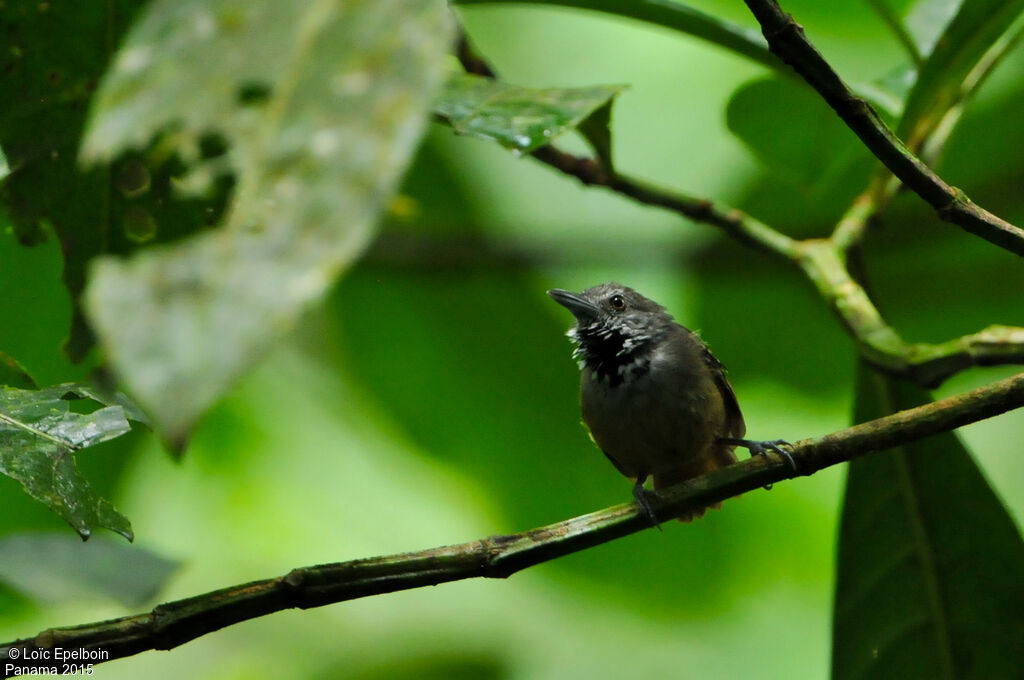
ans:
x=294 y=579
x=957 y=202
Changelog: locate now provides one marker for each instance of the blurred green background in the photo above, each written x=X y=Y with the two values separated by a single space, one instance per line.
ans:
x=433 y=399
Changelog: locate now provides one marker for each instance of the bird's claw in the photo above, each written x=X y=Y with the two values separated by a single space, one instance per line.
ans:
x=757 y=448
x=761 y=448
x=643 y=498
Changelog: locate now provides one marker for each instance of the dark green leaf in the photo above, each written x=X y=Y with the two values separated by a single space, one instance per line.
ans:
x=968 y=38
x=597 y=130
x=519 y=118
x=791 y=130
x=928 y=583
x=56 y=568
x=39 y=436
x=320 y=106
x=13 y=374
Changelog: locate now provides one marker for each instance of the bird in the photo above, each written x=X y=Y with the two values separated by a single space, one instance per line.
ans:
x=655 y=399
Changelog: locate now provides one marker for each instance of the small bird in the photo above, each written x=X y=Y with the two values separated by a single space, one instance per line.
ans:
x=655 y=399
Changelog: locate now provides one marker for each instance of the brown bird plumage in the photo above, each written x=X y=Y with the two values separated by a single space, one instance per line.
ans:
x=655 y=399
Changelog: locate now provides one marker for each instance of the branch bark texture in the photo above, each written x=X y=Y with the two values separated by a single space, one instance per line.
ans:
x=787 y=40
x=174 y=623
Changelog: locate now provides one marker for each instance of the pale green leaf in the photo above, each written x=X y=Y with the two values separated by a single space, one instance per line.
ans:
x=321 y=105
x=927 y=19
x=55 y=568
x=39 y=436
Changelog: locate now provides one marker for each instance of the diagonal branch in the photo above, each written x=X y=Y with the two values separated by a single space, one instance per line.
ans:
x=174 y=623
x=822 y=261
x=880 y=345
x=786 y=39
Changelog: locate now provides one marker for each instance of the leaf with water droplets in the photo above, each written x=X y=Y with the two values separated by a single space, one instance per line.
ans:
x=524 y=119
x=320 y=105
x=39 y=436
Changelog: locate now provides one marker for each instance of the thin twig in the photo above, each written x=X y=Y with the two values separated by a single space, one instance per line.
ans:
x=822 y=260
x=734 y=222
x=786 y=39
x=174 y=623
x=674 y=15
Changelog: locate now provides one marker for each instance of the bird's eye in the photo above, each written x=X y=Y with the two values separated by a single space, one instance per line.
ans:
x=618 y=302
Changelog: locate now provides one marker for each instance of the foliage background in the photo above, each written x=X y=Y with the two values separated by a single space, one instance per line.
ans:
x=432 y=400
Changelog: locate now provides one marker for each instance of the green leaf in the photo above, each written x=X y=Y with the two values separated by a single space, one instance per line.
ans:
x=13 y=374
x=55 y=568
x=321 y=106
x=676 y=16
x=890 y=16
x=597 y=130
x=791 y=130
x=968 y=38
x=519 y=118
x=54 y=58
x=928 y=581
x=927 y=19
x=39 y=436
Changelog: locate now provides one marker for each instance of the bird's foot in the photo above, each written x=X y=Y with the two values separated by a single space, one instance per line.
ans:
x=644 y=498
x=761 y=448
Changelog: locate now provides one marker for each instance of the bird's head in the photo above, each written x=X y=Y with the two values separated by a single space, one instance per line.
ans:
x=616 y=327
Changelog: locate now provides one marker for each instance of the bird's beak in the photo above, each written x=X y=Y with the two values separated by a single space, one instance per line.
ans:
x=582 y=308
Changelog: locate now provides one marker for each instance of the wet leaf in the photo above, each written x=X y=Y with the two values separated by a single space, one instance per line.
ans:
x=524 y=119
x=39 y=437
x=320 y=106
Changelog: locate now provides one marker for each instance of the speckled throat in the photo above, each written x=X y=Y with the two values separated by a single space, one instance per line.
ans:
x=613 y=354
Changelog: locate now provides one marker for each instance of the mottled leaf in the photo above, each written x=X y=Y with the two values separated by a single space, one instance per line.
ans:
x=519 y=118
x=928 y=581
x=53 y=57
x=39 y=436
x=320 y=105
x=55 y=568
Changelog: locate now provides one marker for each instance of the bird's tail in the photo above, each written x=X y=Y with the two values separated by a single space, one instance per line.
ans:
x=718 y=457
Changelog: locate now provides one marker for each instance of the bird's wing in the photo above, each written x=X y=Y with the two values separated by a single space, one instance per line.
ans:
x=734 y=425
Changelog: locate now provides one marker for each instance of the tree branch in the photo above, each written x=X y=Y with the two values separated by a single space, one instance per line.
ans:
x=174 y=623
x=822 y=261
x=673 y=15
x=732 y=221
x=879 y=343
x=786 y=39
